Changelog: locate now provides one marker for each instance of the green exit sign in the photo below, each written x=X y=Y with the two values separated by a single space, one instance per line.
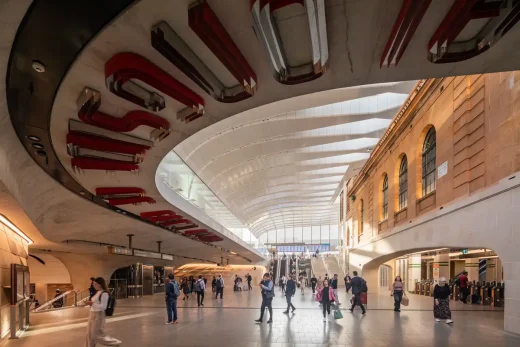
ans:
x=465 y=251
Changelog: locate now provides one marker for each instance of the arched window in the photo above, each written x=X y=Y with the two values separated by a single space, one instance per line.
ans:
x=428 y=162
x=361 y=217
x=403 y=183
x=385 y=197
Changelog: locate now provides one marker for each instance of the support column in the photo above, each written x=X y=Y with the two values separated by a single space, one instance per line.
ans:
x=441 y=267
x=499 y=270
x=491 y=270
x=414 y=271
x=472 y=269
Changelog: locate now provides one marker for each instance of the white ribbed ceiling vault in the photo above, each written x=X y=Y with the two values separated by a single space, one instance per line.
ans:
x=283 y=171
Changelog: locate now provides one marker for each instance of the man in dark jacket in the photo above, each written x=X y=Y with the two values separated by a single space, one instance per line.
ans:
x=172 y=293
x=290 y=290
x=314 y=281
x=92 y=291
x=359 y=286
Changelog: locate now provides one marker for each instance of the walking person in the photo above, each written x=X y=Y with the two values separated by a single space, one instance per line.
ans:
x=397 y=293
x=347 y=280
x=325 y=297
x=334 y=285
x=92 y=291
x=302 y=284
x=441 y=305
x=283 y=281
x=200 y=287
x=464 y=290
x=96 y=320
x=172 y=292
x=214 y=284
x=314 y=282
x=249 y=279
x=290 y=290
x=219 y=286
x=267 y=287
x=186 y=290
x=359 y=286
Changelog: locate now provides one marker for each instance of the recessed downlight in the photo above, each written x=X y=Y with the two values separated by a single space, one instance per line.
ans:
x=33 y=138
x=37 y=145
x=41 y=153
x=38 y=66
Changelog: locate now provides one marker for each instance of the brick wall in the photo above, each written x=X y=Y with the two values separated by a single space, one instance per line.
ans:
x=477 y=122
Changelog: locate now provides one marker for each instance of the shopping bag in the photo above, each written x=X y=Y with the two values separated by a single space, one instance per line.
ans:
x=337 y=314
x=405 y=301
x=363 y=297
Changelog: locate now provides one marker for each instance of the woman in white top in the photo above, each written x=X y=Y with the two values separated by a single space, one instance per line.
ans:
x=96 y=321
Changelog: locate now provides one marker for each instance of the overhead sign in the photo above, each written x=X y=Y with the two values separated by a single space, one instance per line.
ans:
x=119 y=250
x=167 y=257
x=146 y=254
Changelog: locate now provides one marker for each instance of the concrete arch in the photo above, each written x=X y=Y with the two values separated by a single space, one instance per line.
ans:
x=488 y=219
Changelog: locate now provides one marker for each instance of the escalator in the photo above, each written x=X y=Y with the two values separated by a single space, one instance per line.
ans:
x=283 y=268
x=276 y=268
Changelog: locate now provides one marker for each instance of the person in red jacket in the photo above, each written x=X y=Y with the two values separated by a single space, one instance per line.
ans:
x=464 y=290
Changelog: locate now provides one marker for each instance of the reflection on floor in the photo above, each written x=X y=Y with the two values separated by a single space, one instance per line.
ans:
x=229 y=322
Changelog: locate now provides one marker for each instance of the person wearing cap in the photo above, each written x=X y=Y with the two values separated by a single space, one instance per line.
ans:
x=172 y=292
x=92 y=291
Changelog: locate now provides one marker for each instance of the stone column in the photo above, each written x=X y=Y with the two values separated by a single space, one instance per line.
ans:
x=499 y=270
x=491 y=270
x=441 y=267
x=414 y=271
x=472 y=269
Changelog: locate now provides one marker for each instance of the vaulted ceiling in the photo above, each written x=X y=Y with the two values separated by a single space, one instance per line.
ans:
x=284 y=170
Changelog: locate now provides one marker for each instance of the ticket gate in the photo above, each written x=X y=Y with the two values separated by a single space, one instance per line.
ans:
x=485 y=294
x=427 y=289
x=456 y=292
x=417 y=287
x=497 y=295
x=422 y=288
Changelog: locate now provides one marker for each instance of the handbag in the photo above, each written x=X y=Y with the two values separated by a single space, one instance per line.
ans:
x=337 y=314
x=405 y=301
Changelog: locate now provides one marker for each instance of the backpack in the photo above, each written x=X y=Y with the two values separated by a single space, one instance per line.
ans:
x=219 y=283
x=197 y=287
x=364 y=287
x=176 y=290
x=109 y=311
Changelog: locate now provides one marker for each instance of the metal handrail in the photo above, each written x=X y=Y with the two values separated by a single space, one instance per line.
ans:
x=77 y=299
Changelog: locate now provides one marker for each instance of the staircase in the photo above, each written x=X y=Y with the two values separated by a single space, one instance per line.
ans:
x=318 y=267
x=332 y=265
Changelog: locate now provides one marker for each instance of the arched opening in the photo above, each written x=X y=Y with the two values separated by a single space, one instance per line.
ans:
x=48 y=274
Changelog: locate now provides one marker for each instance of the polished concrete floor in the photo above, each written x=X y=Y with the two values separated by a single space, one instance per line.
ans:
x=230 y=322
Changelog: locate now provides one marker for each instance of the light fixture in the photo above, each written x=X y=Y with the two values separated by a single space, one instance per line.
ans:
x=33 y=138
x=5 y=221
x=38 y=66
x=232 y=252
x=37 y=145
x=369 y=149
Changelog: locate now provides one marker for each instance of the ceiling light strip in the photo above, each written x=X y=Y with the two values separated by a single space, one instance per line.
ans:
x=5 y=221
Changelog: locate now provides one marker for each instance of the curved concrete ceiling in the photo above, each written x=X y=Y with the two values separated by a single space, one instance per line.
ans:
x=357 y=33
x=283 y=171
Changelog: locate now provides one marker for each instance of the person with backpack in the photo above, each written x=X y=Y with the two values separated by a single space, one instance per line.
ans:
x=359 y=286
x=267 y=287
x=101 y=305
x=200 y=287
x=172 y=292
x=220 y=287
